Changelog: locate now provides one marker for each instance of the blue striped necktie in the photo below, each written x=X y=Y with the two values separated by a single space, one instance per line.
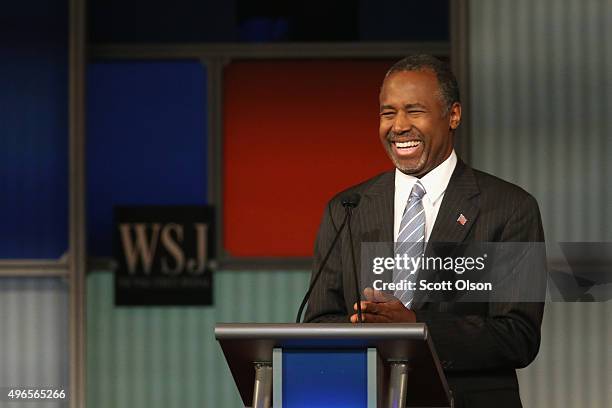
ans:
x=410 y=240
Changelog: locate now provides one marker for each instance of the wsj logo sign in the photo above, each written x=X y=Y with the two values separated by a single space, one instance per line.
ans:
x=163 y=255
x=140 y=241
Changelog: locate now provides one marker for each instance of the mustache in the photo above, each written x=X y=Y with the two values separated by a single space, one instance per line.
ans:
x=412 y=134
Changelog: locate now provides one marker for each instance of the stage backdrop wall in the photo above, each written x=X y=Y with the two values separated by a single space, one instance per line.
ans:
x=156 y=357
x=540 y=94
x=34 y=191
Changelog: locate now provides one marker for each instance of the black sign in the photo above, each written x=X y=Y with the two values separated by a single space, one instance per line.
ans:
x=163 y=255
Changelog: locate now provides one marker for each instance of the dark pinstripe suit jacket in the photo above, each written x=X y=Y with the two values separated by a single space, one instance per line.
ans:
x=480 y=344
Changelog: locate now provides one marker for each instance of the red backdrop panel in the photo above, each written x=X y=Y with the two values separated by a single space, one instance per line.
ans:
x=296 y=133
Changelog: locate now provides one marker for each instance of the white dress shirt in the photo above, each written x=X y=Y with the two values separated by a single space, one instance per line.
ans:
x=435 y=183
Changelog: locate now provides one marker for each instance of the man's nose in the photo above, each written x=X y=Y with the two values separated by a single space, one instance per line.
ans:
x=401 y=123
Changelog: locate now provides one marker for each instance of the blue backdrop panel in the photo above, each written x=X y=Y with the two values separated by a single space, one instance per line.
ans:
x=146 y=130
x=339 y=378
x=34 y=129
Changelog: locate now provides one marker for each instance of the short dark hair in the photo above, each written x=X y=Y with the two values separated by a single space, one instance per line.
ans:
x=449 y=89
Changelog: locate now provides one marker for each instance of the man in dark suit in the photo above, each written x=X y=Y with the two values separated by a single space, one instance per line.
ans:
x=480 y=344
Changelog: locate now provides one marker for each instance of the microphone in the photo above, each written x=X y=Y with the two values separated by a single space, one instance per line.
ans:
x=349 y=202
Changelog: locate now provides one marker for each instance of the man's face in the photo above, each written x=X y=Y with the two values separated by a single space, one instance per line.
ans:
x=414 y=129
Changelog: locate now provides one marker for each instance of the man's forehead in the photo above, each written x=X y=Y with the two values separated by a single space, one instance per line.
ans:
x=417 y=86
x=410 y=79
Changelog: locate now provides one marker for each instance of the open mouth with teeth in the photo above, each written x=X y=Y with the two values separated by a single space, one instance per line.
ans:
x=408 y=148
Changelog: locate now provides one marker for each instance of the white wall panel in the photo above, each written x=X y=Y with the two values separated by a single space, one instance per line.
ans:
x=158 y=357
x=33 y=335
x=540 y=90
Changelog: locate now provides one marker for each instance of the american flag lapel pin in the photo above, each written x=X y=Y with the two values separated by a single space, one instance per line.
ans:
x=462 y=220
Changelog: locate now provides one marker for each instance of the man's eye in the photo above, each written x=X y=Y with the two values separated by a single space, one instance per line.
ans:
x=416 y=111
x=387 y=114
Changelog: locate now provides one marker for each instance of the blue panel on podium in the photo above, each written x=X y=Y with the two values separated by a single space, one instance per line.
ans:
x=340 y=379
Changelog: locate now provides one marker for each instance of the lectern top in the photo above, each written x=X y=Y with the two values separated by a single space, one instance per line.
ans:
x=320 y=331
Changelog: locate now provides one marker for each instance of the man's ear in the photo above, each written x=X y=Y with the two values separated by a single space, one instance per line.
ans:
x=455 y=115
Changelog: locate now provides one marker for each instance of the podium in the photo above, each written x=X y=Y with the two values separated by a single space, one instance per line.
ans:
x=334 y=365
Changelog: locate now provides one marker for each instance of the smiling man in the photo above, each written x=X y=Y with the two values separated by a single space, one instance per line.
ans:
x=417 y=120
x=432 y=196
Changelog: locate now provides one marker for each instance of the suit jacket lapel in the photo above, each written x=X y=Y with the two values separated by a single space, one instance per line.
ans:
x=376 y=221
x=380 y=199
x=459 y=200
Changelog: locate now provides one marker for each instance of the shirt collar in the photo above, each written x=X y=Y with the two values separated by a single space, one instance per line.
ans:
x=435 y=182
